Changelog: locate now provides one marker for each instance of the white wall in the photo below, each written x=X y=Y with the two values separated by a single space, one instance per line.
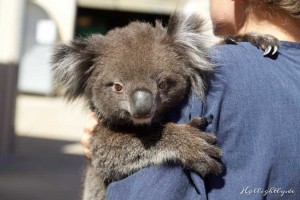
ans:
x=11 y=15
x=145 y=6
x=63 y=12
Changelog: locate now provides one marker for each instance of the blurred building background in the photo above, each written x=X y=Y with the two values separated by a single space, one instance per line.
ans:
x=40 y=153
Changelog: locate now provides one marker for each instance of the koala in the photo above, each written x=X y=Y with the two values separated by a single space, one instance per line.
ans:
x=131 y=78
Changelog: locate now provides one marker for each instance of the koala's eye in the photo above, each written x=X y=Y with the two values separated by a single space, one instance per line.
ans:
x=162 y=85
x=118 y=87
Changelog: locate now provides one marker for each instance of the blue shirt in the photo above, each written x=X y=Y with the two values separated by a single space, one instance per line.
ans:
x=254 y=106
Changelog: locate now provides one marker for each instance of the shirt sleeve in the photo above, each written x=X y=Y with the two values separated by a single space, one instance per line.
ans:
x=166 y=181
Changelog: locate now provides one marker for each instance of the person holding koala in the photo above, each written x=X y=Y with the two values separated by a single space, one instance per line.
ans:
x=253 y=108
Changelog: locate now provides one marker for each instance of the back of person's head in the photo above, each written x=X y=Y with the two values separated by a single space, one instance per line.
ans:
x=242 y=16
x=289 y=7
x=292 y=7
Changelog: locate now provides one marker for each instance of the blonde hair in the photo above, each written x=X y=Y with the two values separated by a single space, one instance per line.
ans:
x=290 y=7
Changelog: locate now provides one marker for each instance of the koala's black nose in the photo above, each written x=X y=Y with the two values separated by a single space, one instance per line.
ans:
x=141 y=104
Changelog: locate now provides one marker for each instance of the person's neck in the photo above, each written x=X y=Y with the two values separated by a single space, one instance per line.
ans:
x=283 y=28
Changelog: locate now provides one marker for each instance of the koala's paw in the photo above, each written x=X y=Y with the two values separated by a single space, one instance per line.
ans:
x=206 y=158
x=268 y=43
x=197 y=149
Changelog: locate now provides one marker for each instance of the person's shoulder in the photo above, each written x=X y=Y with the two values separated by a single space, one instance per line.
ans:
x=235 y=54
x=237 y=67
x=238 y=60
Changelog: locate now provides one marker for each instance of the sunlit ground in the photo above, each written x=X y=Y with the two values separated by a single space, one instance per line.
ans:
x=51 y=118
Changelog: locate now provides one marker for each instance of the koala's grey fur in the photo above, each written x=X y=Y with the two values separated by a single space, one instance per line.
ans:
x=156 y=67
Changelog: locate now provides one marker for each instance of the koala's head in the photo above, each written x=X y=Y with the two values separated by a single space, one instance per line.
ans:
x=137 y=73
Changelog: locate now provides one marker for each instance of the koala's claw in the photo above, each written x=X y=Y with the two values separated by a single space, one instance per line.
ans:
x=268 y=43
x=230 y=40
x=270 y=49
x=267 y=50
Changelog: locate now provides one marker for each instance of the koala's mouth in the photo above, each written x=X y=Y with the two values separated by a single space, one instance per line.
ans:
x=142 y=120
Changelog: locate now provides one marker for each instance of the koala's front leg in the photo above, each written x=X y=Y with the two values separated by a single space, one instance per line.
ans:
x=187 y=145
x=268 y=43
x=94 y=185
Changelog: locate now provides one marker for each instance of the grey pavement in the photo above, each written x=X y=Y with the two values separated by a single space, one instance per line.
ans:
x=47 y=164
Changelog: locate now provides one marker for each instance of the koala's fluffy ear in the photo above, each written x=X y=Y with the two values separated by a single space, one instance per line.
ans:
x=189 y=41
x=72 y=65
